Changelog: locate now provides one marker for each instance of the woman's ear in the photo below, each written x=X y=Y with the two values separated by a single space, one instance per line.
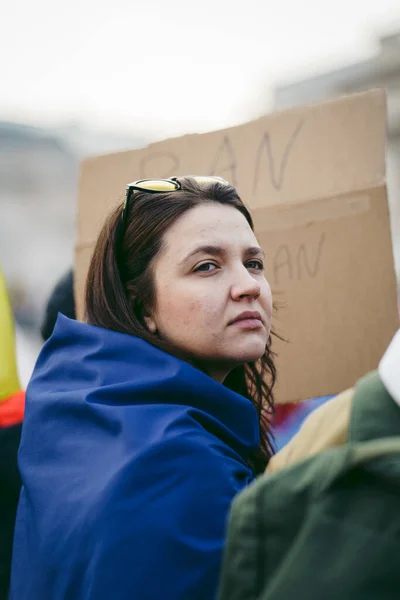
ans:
x=146 y=315
x=151 y=324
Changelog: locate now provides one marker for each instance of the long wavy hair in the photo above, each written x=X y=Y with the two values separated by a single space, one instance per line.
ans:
x=120 y=284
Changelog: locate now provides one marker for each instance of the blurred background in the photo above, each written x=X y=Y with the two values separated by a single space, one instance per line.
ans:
x=89 y=77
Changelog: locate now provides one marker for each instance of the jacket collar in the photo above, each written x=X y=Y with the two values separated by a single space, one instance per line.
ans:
x=389 y=368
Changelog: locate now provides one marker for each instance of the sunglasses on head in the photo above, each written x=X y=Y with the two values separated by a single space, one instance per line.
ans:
x=161 y=186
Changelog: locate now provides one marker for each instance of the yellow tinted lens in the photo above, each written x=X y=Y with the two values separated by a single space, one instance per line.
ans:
x=159 y=185
x=204 y=179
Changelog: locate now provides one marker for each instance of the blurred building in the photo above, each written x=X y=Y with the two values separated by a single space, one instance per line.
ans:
x=381 y=70
x=38 y=194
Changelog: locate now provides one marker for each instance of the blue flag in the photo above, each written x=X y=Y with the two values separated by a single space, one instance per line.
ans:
x=130 y=459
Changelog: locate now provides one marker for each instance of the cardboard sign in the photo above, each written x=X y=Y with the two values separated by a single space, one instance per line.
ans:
x=314 y=179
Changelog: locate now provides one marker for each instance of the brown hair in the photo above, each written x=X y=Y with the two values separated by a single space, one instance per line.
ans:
x=120 y=284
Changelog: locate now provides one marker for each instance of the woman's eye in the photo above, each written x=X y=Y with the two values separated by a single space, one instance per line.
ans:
x=255 y=264
x=206 y=267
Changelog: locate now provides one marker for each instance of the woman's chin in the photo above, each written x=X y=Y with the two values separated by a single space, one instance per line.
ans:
x=248 y=353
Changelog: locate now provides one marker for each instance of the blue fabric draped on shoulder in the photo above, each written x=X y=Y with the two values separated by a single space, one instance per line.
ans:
x=130 y=459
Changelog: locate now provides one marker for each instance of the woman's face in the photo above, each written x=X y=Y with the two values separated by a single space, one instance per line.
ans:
x=213 y=302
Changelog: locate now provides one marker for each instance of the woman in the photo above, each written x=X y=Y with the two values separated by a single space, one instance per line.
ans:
x=144 y=422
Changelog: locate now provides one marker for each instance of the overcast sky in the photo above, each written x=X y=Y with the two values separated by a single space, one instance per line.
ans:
x=172 y=66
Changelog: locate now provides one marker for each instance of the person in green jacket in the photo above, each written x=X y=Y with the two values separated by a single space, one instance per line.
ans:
x=324 y=522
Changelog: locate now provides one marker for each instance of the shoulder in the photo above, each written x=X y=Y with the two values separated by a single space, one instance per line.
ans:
x=326 y=427
x=165 y=466
x=194 y=459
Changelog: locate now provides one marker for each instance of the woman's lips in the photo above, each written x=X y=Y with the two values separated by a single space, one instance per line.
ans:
x=248 y=320
x=248 y=324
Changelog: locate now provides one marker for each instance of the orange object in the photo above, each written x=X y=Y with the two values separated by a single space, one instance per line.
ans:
x=12 y=409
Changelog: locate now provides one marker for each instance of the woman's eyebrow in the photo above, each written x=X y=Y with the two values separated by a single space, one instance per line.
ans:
x=206 y=249
x=255 y=251
x=219 y=251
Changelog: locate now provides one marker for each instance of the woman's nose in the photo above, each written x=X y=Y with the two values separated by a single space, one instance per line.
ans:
x=245 y=285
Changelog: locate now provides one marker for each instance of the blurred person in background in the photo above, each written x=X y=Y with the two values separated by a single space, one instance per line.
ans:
x=325 y=521
x=62 y=301
x=12 y=401
x=145 y=421
x=12 y=404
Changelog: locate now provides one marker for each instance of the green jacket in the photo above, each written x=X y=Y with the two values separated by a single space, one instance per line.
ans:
x=328 y=527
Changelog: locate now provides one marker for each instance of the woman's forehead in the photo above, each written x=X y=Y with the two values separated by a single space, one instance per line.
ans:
x=210 y=219
x=213 y=225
